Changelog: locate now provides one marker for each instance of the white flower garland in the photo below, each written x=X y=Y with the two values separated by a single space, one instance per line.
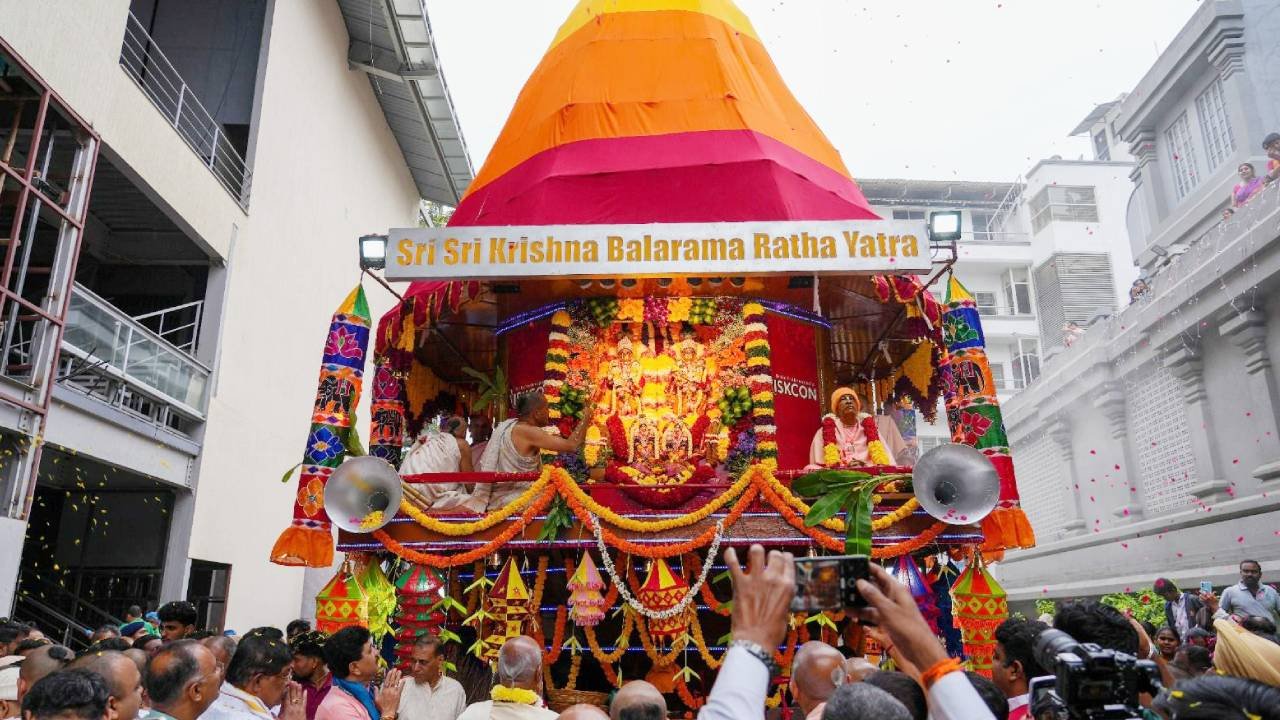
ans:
x=625 y=592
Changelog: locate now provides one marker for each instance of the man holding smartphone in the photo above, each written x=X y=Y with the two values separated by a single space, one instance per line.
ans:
x=762 y=608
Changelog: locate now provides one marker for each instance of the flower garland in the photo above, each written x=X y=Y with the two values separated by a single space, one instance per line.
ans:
x=700 y=642
x=575 y=666
x=876 y=451
x=836 y=544
x=556 y=368
x=686 y=697
x=830 y=446
x=660 y=660
x=708 y=596
x=557 y=637
x=443 y=561
x=584 y=505
x=625 y=592
x=784 y=494
x=624 y=639
x=484 y=523
x=520 y=696
x=760 y=382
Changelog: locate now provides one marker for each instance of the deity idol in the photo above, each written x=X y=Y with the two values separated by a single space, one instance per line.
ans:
x=692 y=374
x=851 y=434
x=623 y=374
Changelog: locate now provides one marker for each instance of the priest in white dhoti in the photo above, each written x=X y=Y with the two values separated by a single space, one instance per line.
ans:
x=441 y=451
x=515 y=447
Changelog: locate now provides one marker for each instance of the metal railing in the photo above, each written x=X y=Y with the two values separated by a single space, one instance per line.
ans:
x=986 y=237
x=115 y=358
x=183 y=322
x=147 y=65
x=1004 y=311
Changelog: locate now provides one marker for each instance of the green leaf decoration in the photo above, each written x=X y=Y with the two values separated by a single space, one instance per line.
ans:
x=687 y=674
x=826 y=506
x=450 y=667
x=448 y=636
x=477 y=648
x=477 y=616
x=821 y=482
x=572 y=644
x=857 y=539
x=289 y=473
x=480 y=582
x=725 y=639
x=721 y=577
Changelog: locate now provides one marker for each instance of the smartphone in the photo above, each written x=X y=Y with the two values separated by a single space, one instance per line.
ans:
x=829 y=583
x=1206 y=586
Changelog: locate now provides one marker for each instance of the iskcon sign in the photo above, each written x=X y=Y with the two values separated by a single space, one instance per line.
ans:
x=729 y=248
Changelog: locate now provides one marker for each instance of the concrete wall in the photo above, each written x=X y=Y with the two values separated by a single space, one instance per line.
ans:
x=327 y=170
x=91 y=81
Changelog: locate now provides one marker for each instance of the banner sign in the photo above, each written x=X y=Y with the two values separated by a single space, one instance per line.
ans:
x=658 y=250
x=797 y=407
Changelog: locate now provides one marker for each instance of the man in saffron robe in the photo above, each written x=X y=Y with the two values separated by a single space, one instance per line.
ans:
x=851 y=439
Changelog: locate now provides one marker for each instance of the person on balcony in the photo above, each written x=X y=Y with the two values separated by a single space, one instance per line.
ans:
x=1271 y=145
x=515 y=447
x=441 y=451
x=851 y=434
x=1250 y=184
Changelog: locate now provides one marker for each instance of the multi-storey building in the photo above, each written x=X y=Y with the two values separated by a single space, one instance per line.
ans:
x=1035 y=253
x=182 y=183
x=1151 y=445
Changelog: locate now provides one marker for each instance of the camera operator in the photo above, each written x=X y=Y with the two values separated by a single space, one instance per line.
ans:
x=761 y=611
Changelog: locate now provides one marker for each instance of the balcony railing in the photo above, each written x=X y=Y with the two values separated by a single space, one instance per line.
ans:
x=983 y=237
x=108 y=355
x=147 y=65
x=1004 y=311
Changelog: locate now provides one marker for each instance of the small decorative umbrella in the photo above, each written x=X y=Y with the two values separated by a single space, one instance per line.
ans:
x=342 y=602
x=907 y=572
x=508 y=602
x=585 y=599
x=663 y=590
x=978 y=605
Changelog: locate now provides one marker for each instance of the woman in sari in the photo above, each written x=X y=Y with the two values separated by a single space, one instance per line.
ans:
x=1244 y=190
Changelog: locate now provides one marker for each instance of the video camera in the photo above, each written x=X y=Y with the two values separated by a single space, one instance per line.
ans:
x=1088 y=682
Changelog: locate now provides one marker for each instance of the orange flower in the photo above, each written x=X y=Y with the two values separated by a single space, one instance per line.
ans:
x=311 y=497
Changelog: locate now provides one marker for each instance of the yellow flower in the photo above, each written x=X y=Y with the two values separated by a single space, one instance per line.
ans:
x=753 y=309
x=765 y=396
x=758 y=342
x=560 y=319
x=757 y=362
x=678 y=309
x=631 y=310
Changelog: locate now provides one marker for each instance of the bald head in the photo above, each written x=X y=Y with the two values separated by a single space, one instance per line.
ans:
x=124 y=681
x=813 y=674
x=638 y=700
x=223 y=648
x=858 y=668
x=520 y=664
x=42 y=661
x=583 y=711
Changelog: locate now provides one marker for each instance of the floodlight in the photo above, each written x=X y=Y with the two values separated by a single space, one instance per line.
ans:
x=944 y=226
x=373 y=252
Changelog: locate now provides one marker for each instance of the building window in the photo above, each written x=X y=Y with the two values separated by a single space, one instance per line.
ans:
x=910 y=214
x=1026 y=364
x=1062 y=202
x=208 y=585
x=1182 y=156
x=1101 y=151
x=1017 y=291
x=1215 y=126
x=986 y=302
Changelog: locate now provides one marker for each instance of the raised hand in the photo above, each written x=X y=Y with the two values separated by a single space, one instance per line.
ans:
x=762 y=595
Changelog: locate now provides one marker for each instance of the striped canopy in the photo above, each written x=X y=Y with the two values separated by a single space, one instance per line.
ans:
x=649 y=111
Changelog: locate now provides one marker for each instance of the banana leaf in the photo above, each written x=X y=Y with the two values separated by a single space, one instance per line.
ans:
x=857 y=539
x=821 y=482
x=826 y=506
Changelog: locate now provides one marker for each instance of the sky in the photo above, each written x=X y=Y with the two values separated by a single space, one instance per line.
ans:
x=923 y=89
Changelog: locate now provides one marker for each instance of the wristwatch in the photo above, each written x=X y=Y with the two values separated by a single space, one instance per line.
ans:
x=758 y=652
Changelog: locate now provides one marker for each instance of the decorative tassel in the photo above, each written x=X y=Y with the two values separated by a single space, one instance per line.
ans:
x=308 y=540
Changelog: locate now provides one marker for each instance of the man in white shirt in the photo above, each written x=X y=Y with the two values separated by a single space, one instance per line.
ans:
x=1248 y=598
x=429 y=694
x=259 y=677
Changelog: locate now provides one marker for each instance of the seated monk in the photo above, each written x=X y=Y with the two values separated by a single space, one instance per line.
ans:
x=850 y=437
x=439 y=451
x=514 y=448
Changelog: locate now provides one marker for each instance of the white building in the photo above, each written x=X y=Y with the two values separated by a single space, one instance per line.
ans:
x=1152 y=445
x=190 y=177
x=1035 y=253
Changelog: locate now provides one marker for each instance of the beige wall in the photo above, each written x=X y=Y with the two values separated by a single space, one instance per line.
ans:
x=327 y=169
x=75 y=47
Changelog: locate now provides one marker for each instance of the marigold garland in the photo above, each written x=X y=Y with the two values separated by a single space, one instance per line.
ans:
x=830 y=447
x=573 y=493
x=784 y=494
x=686 y=697
x=659 y=660
x=575 y=666
x=876 y=451
x=700 y=642
x=470 y=528
x=624 y=639
x=708 y=596
x=442 y=561
x=557 y=638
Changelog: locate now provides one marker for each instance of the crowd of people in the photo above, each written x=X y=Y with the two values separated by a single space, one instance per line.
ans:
x=1217 y=657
